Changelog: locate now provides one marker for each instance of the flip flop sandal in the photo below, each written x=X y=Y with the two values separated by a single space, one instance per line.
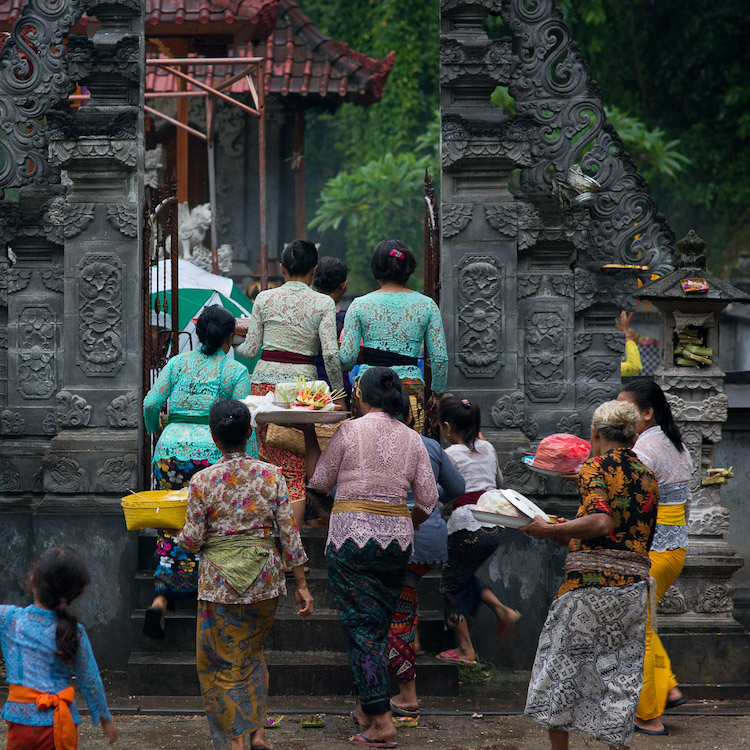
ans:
x=451 y=656
x=673 y=704
x=396 y=709
x=313 y=722
x=365 y=741
x=651 y=732
x=152 y=627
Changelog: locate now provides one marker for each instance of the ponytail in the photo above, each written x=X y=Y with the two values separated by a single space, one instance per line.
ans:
x=463 y=416
x=648 y=395
x=66 y=634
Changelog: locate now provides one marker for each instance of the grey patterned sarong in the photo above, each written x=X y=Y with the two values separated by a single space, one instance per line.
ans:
x=588 y=669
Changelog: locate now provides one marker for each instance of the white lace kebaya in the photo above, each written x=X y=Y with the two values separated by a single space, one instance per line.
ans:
x=375 y=458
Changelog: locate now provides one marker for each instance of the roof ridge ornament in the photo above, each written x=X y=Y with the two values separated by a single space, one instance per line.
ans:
x=691 y=249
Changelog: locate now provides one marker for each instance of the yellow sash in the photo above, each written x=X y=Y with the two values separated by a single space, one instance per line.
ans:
x=671 y=515
x=371 y=506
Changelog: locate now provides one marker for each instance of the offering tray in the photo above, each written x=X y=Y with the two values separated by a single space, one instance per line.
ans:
x=527 y=462
x=510 y=522
x=518 y=501
x=289 y=416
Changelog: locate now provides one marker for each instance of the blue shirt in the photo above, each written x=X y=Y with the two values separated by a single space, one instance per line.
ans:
x=27 y=638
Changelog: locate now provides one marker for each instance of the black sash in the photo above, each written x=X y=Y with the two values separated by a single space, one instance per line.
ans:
x=383 y=358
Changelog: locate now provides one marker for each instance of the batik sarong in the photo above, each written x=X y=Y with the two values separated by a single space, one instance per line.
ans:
x=176 y=575
x=414 y=389
x=588 y=669
x=403 y=630
x=292 y=465
x=231 y=666
x=366 y=583
x=460 y=587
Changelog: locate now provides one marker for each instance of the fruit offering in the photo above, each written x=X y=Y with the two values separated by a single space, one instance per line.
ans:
x=315 y=395
x=690 y=349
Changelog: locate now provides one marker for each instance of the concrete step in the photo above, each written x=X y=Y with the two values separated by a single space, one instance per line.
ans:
x=317 y=581
x=320 y=632
x=291 y=673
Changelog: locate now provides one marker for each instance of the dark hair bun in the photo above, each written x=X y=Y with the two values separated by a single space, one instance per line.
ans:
x=381 y=388
x=299 y=257
x=392 y=261
x=213 y=326
x=463 y=415
x=230 y=422
x=331 y=274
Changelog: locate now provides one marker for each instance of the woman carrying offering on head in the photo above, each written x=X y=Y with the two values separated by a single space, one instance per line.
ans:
x=291 y=323
x=588 y=669
x=469 y=542
x=234 y=509
x=393 y=323
x=191 y=383
x=659 y=446
x=372 y=461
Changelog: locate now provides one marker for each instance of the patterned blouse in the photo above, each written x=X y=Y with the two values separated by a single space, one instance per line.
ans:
x=28 y=640
x=397 y=322
x=673 y=470
x=192 y=382
x=378 y=458
x=241 y=495
x=619 y=485
x=292 y=318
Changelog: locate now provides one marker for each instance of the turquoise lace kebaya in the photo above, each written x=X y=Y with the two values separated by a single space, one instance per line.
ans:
x=397 y=322
x=192 y=382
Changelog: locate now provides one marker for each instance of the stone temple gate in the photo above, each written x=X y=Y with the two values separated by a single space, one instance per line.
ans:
x=527 y=299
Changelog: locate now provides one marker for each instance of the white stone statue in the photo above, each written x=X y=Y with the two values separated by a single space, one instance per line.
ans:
x=192 y=227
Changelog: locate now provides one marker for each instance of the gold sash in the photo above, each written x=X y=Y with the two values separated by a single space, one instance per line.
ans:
x=371 y=506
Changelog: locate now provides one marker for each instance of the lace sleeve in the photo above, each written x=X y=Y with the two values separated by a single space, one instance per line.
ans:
x=5 y=613
x=289 y=536
x=327 y=471
x=158 y=396
x=327 y=333
x=645 y=456
x=241 y=385
x=350 y=337
x=437 y=349
x=193 y=533
x=423 y=485
x=89 y=680
x=250 y=347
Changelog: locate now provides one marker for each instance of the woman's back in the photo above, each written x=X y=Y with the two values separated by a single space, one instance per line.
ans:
x=657 y=451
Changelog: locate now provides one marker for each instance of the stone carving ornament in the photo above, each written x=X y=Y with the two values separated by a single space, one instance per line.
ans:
x=455 y=217
x=672 y=603
x=100 y=347
x=709 y=409
x=713 y=521
x=53 y=278
x=36 y=351
x=63 y=220
x=11 y=422
x=124 y=218
x=10 y=477
x=508 y=413
x=72 y=410
x=117 y=474
x=65 y=474
x=715 y=599
x=124 y=411
x=502 y=217
x=545 y=352
x=480 y=316
x=487 y=60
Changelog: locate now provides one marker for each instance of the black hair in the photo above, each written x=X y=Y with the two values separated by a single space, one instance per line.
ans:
x=392 y=261
x=229 y=420
x=331 y=274
x=299 y=257
x=60 y=576
x=213 y=326
x=463 y=416
x=647 y=394
x=381 y=388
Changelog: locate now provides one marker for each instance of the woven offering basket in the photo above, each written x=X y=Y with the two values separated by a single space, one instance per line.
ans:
x=155 y=509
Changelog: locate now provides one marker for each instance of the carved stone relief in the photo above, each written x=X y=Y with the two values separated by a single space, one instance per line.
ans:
x=709 y=409
x=455 y=217
x=117 y=474
x=49 y=423
x=491 y=59
x=545 y=353
x=64 y=474
x=36 y=351
x=124 y=411
x=508 y=413
x=72 y=410
x=544 y=284
x=503 y=217
x=585 y=288
x=571 y=424
x=712 y=521
x=11 y=422
x=715 y=599
x=53 y=278
x=672 y=603
x=63 y=220
x=582 y=342
x=100 y=349
x=10 y=477
x=479 y=322
x=124 y=218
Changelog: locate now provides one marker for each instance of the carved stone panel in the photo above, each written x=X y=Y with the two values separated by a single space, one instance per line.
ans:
x=455 y=217
x=11 y=422
x=72 y=410
x=117 y=474
x=508 y=413
x=101 y=327
x=10 y=477
x=63 y=474
x=715 y=599
x=479 y=323
x=672 y=603
x=545 y=354
x=36 y=352
x=124 y=411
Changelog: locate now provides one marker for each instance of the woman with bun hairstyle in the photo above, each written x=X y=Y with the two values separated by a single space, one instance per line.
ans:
x=44 y=647
x=290 y=324
x=235 y=508
x=372 y=461
x=393 y=323
x=191 y=383
x=588 y=669
x=659 y=446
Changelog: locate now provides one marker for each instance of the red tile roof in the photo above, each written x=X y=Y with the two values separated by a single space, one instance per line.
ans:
x=300 y=61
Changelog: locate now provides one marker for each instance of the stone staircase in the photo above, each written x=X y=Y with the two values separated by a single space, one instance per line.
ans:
x=304 y=657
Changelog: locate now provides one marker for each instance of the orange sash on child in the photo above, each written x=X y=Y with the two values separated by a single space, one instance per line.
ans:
x=66 y=734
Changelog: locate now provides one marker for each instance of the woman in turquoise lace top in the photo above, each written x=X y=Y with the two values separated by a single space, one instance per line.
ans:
x=392 y=323
x=191 y=383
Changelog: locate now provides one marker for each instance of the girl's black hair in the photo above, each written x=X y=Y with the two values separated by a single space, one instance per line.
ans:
x=331 y=274
x=463 y=416
x=299 y=257
x=230 y=421
x=647 y=394
x=392 y=261
x=213 y=326
x=60 y=576
x=381 y=388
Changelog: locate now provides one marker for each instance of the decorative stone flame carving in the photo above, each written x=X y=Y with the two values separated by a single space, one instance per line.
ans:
x=64 y=474
x=36 y=350
x=124 y=411
x=72 y=410
x=63 y=152
x=10 y=477
x=53 y=278
x=585 y=288
x=601 y=371
x=64 y=220
x=713 y=521
x=527 y=285
x=11 y=422
x=456 y=217
x=117 y=474
x=100 y=349
x=570 y=423
x=124 y=218
x=716 y=599
x=582 y=342
x=509 y=140
x=18 y=279
x=479 y=320
x=710 y=409
x=545 y=352
x=491 y=59
x=672 y=603
x=508 y=413
x=49 y=424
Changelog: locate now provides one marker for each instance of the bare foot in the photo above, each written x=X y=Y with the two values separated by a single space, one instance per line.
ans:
x=412 y=706
x=361 y=718
x=674 y=694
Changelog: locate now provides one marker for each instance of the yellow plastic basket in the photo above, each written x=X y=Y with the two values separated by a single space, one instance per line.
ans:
x=155 y=509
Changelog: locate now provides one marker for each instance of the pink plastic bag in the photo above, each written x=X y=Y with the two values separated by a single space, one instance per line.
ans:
x=562 y=452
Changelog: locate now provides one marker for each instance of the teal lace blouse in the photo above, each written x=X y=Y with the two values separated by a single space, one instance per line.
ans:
x=397 y=322
x=191 y=383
